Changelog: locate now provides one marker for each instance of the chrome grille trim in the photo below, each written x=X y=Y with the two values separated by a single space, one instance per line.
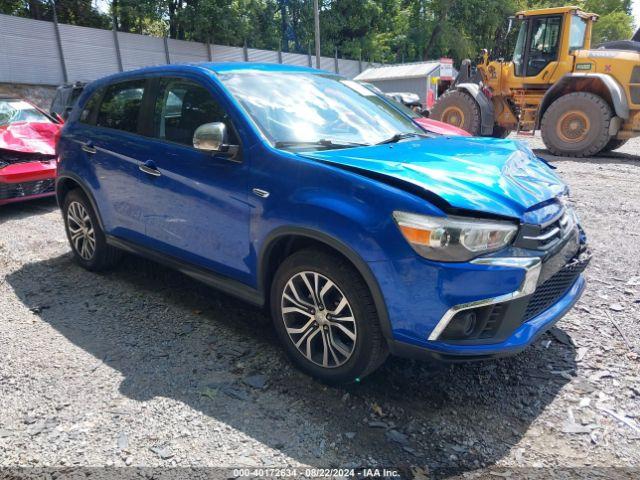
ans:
x=546 y=235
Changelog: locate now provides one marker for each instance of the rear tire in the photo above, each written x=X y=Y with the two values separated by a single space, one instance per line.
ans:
x=577 y=125
x=459 y=109
x=87 y=240
x=340 y=342
x=613 y=144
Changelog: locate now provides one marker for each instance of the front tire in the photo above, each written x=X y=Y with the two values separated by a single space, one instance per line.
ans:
x=459 y=109
x=87 y=240
x=325 y=317
x=577 y=125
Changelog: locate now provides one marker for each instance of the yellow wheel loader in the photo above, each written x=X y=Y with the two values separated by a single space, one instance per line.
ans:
x=583 y=100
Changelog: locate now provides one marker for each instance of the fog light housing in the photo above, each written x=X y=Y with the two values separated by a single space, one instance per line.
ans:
x=463 y=326
x=468 y=323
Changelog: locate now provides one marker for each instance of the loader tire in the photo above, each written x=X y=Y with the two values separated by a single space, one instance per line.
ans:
x=577 y=125
x=459 y=109
x=500 y=132
x=613 y=144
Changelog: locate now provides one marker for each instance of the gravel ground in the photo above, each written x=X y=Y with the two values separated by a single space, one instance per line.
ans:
x=145 y=367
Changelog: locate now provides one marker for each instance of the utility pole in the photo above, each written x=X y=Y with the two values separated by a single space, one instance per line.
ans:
x=56 y=29
x=116 y=42
x=316 y=21
x=284 y=39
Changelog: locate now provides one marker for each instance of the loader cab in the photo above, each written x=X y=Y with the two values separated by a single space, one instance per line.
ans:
x=545 y=42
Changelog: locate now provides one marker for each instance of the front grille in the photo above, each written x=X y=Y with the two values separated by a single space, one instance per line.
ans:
x=544 y=237
x=555 y=287
x=26 y=189
x=10 y=157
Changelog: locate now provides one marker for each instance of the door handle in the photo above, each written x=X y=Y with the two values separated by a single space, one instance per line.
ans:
x=260 y=193
x=149 y=167
x=89 y=148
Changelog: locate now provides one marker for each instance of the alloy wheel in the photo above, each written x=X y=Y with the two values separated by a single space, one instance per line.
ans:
x=319 y=319
x=81 y=231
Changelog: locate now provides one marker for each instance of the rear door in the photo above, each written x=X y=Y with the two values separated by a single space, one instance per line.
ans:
x=116 y=150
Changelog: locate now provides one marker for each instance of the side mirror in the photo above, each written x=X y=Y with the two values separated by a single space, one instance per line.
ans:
x=210 y=137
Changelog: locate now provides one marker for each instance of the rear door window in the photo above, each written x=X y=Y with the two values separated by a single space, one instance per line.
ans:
x=121 y=105
x=181 y=107
x=89 y=111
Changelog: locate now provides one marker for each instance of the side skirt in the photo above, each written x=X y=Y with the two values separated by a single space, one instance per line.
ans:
x=225 y=284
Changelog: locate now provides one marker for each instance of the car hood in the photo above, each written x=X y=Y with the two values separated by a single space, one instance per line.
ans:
x=499 y=177
x=30 y=137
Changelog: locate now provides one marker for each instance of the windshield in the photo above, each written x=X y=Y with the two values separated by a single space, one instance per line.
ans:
x=12 y=111
x=292 y=108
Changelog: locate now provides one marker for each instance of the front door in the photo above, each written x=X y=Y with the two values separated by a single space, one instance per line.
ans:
x=197 y=208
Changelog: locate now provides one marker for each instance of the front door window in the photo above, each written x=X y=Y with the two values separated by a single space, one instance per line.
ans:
x=181 y=107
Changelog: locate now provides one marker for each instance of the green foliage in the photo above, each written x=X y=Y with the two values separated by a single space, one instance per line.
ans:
x=605 y=7
x=613 y=26
x=75 y=12
x=377 y=30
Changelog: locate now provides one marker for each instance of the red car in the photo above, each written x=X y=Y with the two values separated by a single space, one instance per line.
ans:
x=433 y=126
x=27 y=151
x=441 y=128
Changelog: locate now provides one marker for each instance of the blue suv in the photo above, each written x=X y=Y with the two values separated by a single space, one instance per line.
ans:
x=305 y=193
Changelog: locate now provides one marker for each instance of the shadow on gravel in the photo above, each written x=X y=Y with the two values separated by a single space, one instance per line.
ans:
x=22 y=210
x=608 y=158
x=170 y=336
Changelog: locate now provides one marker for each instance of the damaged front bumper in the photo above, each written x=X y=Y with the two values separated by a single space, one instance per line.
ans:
x=506 y=323
x=26 y=180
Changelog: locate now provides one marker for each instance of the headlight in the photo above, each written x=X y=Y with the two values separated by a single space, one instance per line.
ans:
x=453 y=239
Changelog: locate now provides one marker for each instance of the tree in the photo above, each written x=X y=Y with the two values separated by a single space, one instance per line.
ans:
x=378 y=30
x=613 y=26
x=74 y=12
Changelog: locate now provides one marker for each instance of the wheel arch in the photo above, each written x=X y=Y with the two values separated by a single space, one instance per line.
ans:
x=286 y=240
x=599 y=84
x=487 y=114
x=68 y=182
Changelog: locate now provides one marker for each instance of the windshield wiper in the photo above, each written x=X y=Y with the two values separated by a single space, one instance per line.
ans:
x=401 y=136
x=322 y=143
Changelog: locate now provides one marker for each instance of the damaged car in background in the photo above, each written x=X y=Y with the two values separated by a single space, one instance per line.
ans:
x=27 y=151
